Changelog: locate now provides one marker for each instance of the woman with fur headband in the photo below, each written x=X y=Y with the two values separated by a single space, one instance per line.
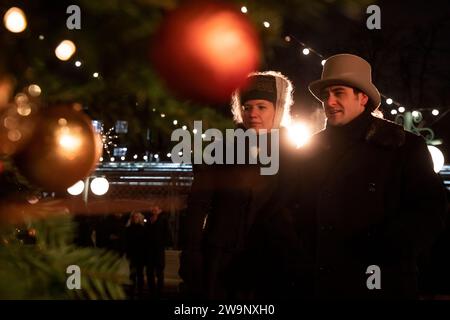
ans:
x=234 y=245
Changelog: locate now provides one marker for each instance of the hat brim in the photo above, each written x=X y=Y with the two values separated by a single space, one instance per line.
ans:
x=317 y=86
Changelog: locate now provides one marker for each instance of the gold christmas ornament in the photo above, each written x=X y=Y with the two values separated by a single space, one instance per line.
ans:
x=62 y=150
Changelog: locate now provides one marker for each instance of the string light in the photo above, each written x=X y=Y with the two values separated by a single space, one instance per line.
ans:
x=323 y=62
x=65 y=50
x=401 y=109
x=15 y=20
x=41 y=37
x=34 y=90
x=435 y=112
x=77 y=63
x=266 y=24
x=108 y=139
x=184 y=128
x=135 y=156
x=175 y=122
x=305 y=51
x=287 y=39
x=389 y=101
x=244 y=9
x=415 y=114
x=95 y=74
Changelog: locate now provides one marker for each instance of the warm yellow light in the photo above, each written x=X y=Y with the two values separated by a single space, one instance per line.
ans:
x=24 y=110
x=34 y=90
x=299 y=133
x=69 y=142
x=14 y=135
x=21 y=99
x=65 y=50
x=15 y=20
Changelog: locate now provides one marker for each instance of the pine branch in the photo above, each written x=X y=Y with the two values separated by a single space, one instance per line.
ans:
x=39 y=271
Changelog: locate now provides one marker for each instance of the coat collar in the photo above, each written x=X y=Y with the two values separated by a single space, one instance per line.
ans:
x=376 y=131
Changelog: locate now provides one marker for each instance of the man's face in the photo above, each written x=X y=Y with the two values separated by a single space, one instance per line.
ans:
x=258 y=114
x=342 y=104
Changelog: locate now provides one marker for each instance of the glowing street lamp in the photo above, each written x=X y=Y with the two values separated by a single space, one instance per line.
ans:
x=76 y=189
x=99 y=186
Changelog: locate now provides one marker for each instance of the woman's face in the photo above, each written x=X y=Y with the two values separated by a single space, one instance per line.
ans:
x=258 y=114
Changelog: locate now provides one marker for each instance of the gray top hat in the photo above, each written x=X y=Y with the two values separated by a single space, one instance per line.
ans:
x=350 y=70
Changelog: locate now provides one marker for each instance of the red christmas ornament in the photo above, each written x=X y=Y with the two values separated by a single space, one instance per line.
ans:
x=62 y=149
x=205 y=50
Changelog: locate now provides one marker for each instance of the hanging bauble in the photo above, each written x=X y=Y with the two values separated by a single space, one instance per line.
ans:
x=62 y=149
x=204 y=50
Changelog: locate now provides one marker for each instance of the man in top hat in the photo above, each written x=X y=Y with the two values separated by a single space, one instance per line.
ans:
x=232 y=247
x=367 y=201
